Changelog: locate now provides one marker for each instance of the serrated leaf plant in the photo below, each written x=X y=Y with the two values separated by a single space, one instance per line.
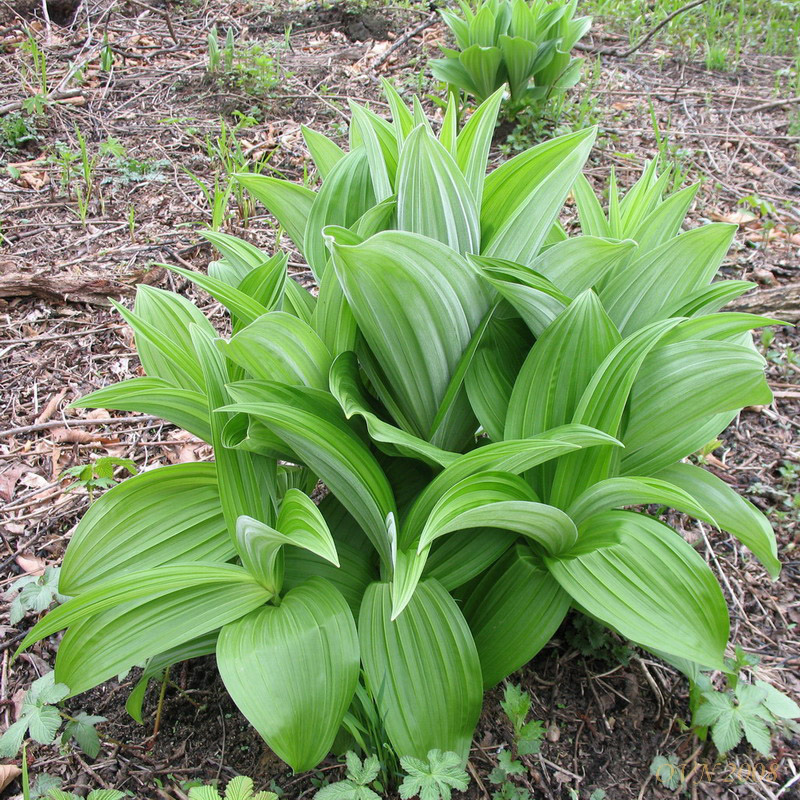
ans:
x=482 y=397
x=524 y=44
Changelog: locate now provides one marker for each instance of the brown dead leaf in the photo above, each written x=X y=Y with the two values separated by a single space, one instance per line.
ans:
x=8 y=480
x=624 y=105
x=33 y=480
x=31 y=564
x=735 y=217
x=8 y=773
x=50 y=408
x=72 y=436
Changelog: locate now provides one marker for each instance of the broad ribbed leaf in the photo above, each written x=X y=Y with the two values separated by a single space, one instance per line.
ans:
x=292 y=669
x=639 y=293
x=246 y=481
x=708 y=299
x=579 y=263
x=590 y=214
x=346 y=387
x=492 y=372
x=634 y=491
x=324 y=151
x=402 y=119
x=473 y=142
x=241 y=305
x=522 y=198
x=380 y=143
x=345 y=196
x=333 y=320
x=433 y=196
x=455 y=560
x=280 y=347
x=417 y=303
x=163 y=349
x=158 y=517
x=422 y=669
x=483 y=64
x=519 y=56
x=182 y=407
x=513 y=611
x=731 y=512
x=602 y=406
x=718 y=327
x=684 y=395
x=452 y=71
x=333 y=451
x=535 y=298
x=290 y=203
x=141 y=584
x=259 y=545
x=652 y=587
x=499 y=500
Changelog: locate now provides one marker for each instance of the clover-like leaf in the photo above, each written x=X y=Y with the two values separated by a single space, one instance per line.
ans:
x=435 y=779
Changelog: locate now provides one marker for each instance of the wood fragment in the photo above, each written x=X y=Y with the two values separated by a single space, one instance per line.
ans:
x=92 y=289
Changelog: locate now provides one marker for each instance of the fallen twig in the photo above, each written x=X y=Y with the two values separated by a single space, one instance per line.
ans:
x=54 y=97
x=404 y=38
x=57 y=423
x=611 y=51
x=788 y=101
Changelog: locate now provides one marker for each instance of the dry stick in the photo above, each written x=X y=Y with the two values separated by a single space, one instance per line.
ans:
x=610 y=51
x=789 y=101
x=53 y=97
x=404 y=38
x=43 y=426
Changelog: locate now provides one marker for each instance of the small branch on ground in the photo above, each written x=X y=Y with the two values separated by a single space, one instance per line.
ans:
x=782 y=302
x=404 y=38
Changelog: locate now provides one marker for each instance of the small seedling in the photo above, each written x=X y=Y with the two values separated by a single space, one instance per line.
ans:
x=41 y=720
x=516 y=704
x=36 y=593
x=667 y=771
x=356 y=784
x=16 y=130
x=238 y=788
x=99 y=474
x=433 y=779
x=96 y=794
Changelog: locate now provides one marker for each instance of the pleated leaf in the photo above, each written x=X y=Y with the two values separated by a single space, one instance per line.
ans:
x=324 y=151
x=182 y=407
x=292 y=670
x=417 y=303
x=652 y=587
x=423 y=670
x=127 y=528
x=433 y=196
x=513 y=611
x=731 y=512
x=280 y=347
x=522 y=198
x=473 y=143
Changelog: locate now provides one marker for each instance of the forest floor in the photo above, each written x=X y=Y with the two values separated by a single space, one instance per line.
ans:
x=132 y=82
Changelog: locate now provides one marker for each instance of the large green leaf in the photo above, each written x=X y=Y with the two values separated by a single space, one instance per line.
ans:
x=345 y=196
x=513 y=611
x=379 y=141
x=473 y=143
x=483 y=64
x=290 y=203
x=422 y=670
x=346 y=387
x=652 y=587
x=455 y=560
x=730 y=511
x=108 y=644
x=634 y=491
x=522 y=198
x=170 y=514
x=684 y=395
x=280 y=347
x=433 y=196
x=142 y=584
x=311 y=424
x=417 y=303
x=246 y=481
x=499 y=500
x=182 y=407
x=519 y=56
x=639 y=293
x=325 y=152
x=292 y=669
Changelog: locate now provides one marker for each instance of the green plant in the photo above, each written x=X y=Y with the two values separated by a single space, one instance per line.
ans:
x=41 y=720
x=35 y=593
x=523 y=43
x=238 y=788
x=434 y=777
x=593 y=639
x=516 y=704
x=465 y=368
x=95 y=794
x=356 y=784
x=37 y=74
x=742 y=710
x=17 y=130
x=716 y=56
x=667 y=771
x=249 y=67
x=98 y=474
